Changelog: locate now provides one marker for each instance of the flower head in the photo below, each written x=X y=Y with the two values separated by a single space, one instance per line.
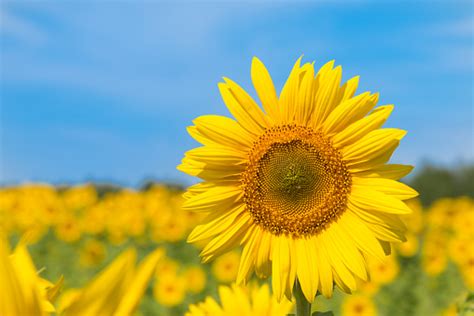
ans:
x=303 y=184
x=23 y=291
x=116 y=290
x=358 y=305
x=252 y=301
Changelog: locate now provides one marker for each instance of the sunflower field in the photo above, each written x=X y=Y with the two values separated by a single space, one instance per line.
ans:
x=91 y=240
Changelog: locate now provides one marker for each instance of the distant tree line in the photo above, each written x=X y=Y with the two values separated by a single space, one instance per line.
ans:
x=434 y=182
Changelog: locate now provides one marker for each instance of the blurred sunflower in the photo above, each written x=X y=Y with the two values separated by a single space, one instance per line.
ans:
x=410 y=247
x=385 y=271
x=226 y=267
x=92 y=253
x=358 y=305
x=169 y=290
x=305 y=179
x=252 y=301
x=195 y=279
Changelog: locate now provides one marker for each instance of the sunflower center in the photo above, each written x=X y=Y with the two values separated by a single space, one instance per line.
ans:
x=295 y=182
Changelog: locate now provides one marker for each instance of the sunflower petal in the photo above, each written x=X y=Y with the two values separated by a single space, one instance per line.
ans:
x=374 y=160
x=211 y=198
x=336 y=260
x=228 y=239
x=216 y=225
x=348 y=112
x=289 y=94
x=262 y=264
x=265 y=89
x=211 y=172
x=372 y=144
x=217 y=155
x=384 y=226
x=245 y=110
x=348 y=252
x=361 y=235
x=307 y=272
x=247 y=259
x=390 y=187
x=224 y=131
x=373 y=200
x=139 y=284
x=293 y=266
x=325 y=99
x=324 y=269
x=349 y=88
x=362 y=127
x=391 y=221
x=306 y=96
x=392 y=171
x=280 y=265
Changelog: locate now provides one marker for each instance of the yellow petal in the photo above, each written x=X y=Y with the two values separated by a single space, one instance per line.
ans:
x=280 y=265
x=375 y=160
x=198 y=188
x=349 y=88
x=215 y=173
x=18 y=287
x=324 y=268
x=348 y=112
x=293 y=258
x=348 y=253
x=247 y=259
x=228 y=239
x=244 y=109
x=193 y=131
x=304 y=107
x=390 y=187
x=392 y=171
x=361 y=235
x=391 y=221
x=326 y=95
x=362 y=127
x=289 y=94
x=307 y=269
x=372 y=144
x=216 y=225
x=224 y=131
x=103 y=294
x=217 y=154
x=366 y=198
x=228 y=299
x=262 y=264
x=28 y=281
x=337 y=262
x=384 y=226
x=139 y=284
x=263 y=84
x=206 y=201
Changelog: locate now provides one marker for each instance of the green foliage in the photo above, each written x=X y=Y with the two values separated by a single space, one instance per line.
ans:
x=437 y=182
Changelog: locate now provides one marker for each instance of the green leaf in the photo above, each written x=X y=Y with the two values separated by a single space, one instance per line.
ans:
x=328 y=313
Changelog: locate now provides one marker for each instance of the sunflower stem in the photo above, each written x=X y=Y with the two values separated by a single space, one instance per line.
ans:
x=303 y=307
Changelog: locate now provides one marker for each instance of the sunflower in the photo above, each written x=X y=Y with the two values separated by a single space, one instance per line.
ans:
x=253 y=300
x=116 y=290
x=24 y=292
x=302 y=185
x=358 y=305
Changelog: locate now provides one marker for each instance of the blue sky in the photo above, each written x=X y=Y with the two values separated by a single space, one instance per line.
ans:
x=104 y=90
